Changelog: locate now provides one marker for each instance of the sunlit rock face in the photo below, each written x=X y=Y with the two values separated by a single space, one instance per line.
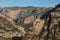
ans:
x=13 y=14
x=55 y=13
x=38 y=25
x=29 y=20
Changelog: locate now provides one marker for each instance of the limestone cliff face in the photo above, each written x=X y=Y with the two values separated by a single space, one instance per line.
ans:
x=38 y=26
x=29 y=20
x=13 y=14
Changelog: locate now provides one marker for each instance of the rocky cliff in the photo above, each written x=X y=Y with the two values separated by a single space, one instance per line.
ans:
x=30 y=22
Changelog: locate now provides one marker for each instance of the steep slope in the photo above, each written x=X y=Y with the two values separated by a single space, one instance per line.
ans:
x=9 y=29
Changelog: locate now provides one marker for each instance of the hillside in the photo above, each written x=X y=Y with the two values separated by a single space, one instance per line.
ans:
x=29 y=22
